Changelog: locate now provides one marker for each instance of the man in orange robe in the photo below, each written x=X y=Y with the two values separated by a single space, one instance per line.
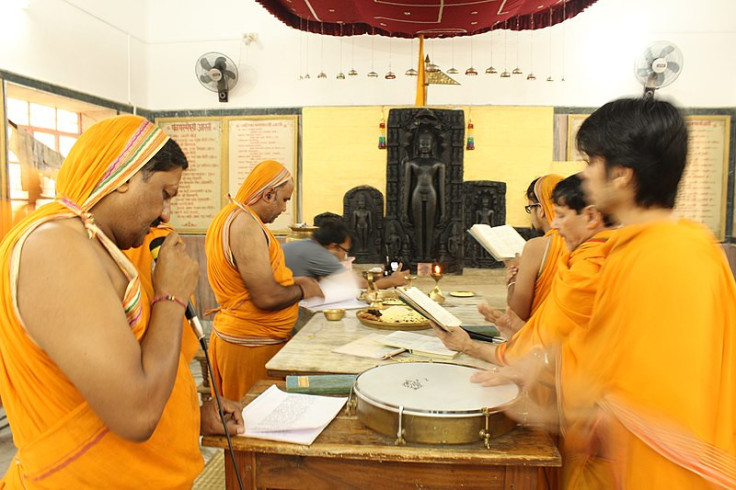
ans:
x=529 y=277
x=257 y=294
x=569 y=304
x=532 y=351
x=649 y=389
x=92 y=374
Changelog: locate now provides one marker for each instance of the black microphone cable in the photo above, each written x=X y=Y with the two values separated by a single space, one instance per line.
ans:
x=197 y=328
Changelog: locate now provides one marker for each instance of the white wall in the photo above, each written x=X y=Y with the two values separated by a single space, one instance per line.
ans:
x=53 y=41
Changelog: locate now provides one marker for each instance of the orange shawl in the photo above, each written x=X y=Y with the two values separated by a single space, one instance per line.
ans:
x=658 y=363
x=61 y=441
x=238 y=318
x=569 y=305
x=543 y=188
x=143 y=260
x=556 y=249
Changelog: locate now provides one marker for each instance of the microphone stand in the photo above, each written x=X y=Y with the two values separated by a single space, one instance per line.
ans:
x=218 y=400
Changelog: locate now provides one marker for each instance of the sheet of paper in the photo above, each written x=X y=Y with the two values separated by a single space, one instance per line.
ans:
x=369 y=346
x=418 y=344
x=336 y=288
x=289 y=417
x=349 y=304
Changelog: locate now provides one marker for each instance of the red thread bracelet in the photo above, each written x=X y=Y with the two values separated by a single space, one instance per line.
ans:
x=169 y=297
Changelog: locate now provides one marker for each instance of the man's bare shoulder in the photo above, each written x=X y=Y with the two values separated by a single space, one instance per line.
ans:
x=536 y=245
x=61 y=245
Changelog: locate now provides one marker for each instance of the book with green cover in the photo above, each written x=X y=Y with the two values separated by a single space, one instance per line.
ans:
x=321 y=384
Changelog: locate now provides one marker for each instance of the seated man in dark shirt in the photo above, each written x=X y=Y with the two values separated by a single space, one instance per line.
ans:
x=326 y=253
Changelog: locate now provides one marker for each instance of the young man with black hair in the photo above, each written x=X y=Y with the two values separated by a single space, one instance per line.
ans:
x=649 y=387
x=326 y=253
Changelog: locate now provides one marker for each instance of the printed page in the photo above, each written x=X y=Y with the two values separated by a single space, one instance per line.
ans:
x=503 y=242
x=418 y=344
x=429 y=308
x=369 y=346
x=290 y=417
x=336 y=288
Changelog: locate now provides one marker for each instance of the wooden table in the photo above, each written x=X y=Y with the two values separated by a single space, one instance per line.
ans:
x=349 y=455
x=310 y=350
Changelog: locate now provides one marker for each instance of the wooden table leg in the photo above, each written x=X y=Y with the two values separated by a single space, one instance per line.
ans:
x=246 y=462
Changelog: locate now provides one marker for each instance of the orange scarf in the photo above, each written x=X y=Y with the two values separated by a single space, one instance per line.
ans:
x=543 y=188
x=238 y=317
x=657 y=364
x=556 y=248
x=61 y=441
x=570 y=301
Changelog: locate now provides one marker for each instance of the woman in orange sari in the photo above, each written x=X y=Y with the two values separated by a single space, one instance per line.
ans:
x=92 y=374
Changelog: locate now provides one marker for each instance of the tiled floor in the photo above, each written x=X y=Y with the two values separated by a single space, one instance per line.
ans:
x=488 y=283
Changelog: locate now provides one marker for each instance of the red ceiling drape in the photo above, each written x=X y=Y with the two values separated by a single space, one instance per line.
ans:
x=432 y=18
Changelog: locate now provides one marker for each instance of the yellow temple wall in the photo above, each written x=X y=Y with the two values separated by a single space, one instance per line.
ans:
x=340 y=151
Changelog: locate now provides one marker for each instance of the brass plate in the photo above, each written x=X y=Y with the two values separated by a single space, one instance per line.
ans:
x=390 y=325
x=462 y=294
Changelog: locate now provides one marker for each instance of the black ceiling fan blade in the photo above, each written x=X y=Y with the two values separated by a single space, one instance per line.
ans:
x=229 y=73
x=204 y=78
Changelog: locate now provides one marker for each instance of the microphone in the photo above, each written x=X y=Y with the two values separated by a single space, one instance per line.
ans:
x=189 y=312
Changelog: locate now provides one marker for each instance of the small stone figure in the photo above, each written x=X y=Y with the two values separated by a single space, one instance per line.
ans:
x=362 y=223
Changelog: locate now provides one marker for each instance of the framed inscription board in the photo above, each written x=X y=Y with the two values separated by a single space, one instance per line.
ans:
x=703 y=189
x=221 y=152
x=256 y=138
x=200 y=190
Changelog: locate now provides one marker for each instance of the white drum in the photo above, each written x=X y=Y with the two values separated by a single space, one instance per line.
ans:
x=432 y=403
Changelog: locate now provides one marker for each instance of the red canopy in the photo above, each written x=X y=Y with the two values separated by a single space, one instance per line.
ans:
x=431 y=18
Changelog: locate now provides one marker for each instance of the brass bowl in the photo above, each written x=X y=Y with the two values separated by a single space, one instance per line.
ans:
x=334 y=315
x=300 y=232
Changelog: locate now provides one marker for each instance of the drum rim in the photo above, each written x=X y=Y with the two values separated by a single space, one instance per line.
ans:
x=431 y=413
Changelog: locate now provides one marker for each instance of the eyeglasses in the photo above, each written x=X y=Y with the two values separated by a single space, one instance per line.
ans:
x=347 y=252
x=528 y=207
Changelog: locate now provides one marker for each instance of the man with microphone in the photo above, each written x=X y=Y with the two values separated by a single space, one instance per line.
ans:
x=92 y=374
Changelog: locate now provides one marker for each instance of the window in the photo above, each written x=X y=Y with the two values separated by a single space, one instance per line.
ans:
x=54 y=127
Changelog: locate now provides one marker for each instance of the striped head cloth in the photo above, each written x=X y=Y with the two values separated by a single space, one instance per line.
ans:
x=265 y=175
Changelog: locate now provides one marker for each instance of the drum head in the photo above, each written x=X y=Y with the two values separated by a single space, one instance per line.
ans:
x=431 y=388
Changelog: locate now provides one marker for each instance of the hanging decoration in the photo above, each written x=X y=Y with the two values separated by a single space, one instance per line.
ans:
x=435 y=19
x=531 y=77
x=471 y=134
x=382 y=133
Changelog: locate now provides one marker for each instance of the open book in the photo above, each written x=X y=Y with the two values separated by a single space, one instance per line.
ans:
x=429 y=308
x=502 y=242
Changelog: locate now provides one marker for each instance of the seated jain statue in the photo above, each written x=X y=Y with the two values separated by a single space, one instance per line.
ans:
x=424 y=191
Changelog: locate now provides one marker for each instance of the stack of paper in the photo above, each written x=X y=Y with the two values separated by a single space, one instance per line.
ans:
x=289 y=417
x=340 y=291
